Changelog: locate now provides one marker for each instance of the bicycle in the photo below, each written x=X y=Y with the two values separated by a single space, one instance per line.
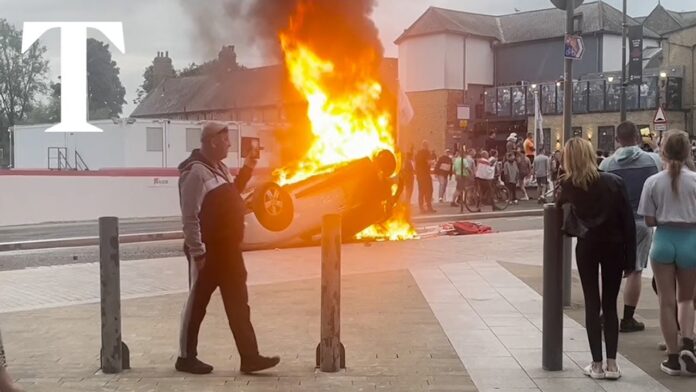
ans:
x=472 y=199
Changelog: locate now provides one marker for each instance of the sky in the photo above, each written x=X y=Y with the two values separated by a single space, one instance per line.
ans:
x=167 y=25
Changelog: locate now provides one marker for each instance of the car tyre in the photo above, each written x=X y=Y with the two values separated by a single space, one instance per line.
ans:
x=272 y=206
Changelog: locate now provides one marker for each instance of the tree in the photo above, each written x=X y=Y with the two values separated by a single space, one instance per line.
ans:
x=45 y=112
x=106 y=93
x=22 y=80
x=147 y=86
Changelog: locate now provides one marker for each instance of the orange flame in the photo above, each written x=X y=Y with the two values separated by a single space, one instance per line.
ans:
x=347 y=124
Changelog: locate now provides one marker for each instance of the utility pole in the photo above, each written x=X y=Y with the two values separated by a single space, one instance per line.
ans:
x=568 y=78
x=623 y=64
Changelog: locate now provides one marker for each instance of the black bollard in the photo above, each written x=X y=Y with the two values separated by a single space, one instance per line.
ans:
x=552 y=328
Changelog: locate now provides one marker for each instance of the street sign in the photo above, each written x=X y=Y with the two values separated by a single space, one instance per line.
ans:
x=660 y=127
x=660 y=117
x=563 y=4
x=574 y=47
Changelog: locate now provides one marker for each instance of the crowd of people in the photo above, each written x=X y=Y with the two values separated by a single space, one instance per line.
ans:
x=518 y=166
x=633 y=208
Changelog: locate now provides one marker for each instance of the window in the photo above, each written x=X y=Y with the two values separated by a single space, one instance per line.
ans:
x=155 y=139
x=674 y=93
x=193 y=139
x=519 y=105
x=580 y=97
x=577 y=23
x=504 y=102
x=489 y=101
x=597 y=96
x=548 y=98
x=605 y=140
x=648 y=93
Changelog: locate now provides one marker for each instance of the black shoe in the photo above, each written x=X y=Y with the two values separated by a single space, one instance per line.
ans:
x=671 y=366
x=631 y=325
x=192 y=365
x=687 y=361
x=259 y=363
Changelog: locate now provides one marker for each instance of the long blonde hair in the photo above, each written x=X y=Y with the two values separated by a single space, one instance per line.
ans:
x=676 y=152
x=580 y=163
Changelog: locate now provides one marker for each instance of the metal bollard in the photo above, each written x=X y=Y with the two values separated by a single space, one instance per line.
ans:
x=567 y=270
x=331 y=355
x=552 y=323
x=114 y=354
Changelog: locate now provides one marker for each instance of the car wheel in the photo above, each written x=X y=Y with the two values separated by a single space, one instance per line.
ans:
x=272 y=206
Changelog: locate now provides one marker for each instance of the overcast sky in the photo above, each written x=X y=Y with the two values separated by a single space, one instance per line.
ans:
x=167 y=25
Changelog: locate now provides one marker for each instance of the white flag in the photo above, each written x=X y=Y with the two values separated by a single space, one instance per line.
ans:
x=538 y=124
x=406 y=112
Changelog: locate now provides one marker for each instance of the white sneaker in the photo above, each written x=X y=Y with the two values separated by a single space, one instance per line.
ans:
x=590 y=372
x=613 y=375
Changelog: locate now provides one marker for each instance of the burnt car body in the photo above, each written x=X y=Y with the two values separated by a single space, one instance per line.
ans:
x=360 y=191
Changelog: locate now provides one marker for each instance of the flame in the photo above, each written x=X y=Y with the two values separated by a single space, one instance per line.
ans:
x=348 y=120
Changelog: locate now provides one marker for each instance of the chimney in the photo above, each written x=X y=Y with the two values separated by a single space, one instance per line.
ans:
x=162 y=68
x=227 y=59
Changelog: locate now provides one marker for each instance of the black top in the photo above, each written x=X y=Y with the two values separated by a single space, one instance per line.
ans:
x=605 y=210
x=422 y=161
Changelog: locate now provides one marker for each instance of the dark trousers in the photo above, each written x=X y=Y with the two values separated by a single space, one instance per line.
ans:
x=223 y=268
x=590 y=255
x=425 y=192
x=512 y=187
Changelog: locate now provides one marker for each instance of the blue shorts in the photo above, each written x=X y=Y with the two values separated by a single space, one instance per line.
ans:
x=673 y=245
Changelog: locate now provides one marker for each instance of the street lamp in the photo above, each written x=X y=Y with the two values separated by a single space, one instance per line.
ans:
x=610 y=79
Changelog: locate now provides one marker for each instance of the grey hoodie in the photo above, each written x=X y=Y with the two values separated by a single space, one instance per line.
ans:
x=635 y=166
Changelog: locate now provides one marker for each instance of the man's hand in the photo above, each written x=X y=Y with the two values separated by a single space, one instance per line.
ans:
x=199 y=261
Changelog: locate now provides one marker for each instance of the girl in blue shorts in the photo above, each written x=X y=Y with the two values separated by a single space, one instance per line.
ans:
x=668 y=202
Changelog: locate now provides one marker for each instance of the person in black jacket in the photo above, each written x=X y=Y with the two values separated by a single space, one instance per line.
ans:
x=213 y=218
x=601 y=217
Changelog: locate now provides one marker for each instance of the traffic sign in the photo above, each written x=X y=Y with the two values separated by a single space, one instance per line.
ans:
x=660 y=127
x=574 y=47
x=660 y=117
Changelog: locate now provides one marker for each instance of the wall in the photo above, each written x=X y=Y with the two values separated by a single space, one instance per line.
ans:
x=454 y=62
x=479 y=62
x=422 y=63
x=540 y=61
x=433 y=111
x=611 y=51
x=58 y=198
x=591 y=122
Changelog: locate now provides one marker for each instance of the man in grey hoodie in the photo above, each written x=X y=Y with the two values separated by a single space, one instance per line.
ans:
x=635 y=166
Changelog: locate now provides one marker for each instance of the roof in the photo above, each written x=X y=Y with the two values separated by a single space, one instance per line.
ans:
x=244 y=88
x=519 y=27
x=665 y=21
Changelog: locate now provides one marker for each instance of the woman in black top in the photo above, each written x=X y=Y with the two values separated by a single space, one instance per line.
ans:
x=600 y=215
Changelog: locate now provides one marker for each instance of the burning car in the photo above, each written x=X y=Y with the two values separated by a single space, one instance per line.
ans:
x=361 y=191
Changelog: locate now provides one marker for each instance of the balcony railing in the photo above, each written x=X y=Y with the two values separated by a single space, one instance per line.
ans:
x=589 y=96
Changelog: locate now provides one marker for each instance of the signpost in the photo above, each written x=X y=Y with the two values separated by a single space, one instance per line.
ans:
x=660 y=121
x=574 y=47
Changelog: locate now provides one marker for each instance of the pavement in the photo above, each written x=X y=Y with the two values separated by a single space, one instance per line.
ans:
x=437 y=314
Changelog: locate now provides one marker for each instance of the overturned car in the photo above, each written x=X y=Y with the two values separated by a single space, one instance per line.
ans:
x=360 y=191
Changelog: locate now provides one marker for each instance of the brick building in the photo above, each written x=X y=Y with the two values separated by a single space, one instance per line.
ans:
x=493 y=65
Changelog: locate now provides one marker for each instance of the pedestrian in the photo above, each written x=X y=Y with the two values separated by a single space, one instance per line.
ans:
x=6 y=383
x=423 y=162
x=497 y=165
x=462 y=173
x=542 y=170
x=213 y=223
x=511 y=174
x=407 y=174
x=511 y=143
x=668 y=202
x=443 y=169
x=634 y=165
x=555 y=166
x=485 y=177
x=600 y=215
x=525 y=168
x=529 y=148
